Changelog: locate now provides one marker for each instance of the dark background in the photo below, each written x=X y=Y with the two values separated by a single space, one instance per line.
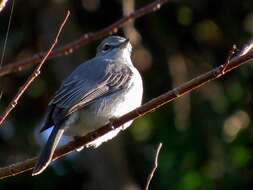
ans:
x=207 y=135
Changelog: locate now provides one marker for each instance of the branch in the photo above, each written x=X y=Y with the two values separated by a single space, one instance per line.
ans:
x=84 y=40
x=32 y=77
x=146 y=108
x=154 y=167
x=7 y=32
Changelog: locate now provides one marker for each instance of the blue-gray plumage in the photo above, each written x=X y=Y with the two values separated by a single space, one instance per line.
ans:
x=100 y=89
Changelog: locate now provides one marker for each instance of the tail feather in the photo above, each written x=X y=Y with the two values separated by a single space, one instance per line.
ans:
x=48 y=151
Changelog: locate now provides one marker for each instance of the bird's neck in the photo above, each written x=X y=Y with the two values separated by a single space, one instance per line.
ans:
x=124 y=56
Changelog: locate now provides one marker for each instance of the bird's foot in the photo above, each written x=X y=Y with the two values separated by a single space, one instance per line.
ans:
x=111 y=121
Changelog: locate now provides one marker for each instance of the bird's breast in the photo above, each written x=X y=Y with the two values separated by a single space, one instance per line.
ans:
x=132 y=96
x=114 y=105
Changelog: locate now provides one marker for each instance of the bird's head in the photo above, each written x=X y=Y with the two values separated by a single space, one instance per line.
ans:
x=114 y=45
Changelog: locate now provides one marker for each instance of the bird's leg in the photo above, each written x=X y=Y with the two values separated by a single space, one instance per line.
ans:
x=111 y=121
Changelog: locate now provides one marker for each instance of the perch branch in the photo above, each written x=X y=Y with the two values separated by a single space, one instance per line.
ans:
x=146 y=108
x=84 y=40
x=32 y=77
x=151 y=175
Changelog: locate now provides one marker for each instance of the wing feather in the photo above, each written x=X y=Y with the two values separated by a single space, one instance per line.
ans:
x=80 y=90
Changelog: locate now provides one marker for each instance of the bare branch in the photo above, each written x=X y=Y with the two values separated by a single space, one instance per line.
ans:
x=146 y=108
x=231 y=53
x=154 y=167
x=7 y=32
x=84 y=40
x=248 y=47
x=32 y=77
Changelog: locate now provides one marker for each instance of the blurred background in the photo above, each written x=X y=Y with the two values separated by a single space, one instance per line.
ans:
x=207 y=135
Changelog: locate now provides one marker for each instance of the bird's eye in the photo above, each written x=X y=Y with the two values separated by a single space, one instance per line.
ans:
x=106 y=47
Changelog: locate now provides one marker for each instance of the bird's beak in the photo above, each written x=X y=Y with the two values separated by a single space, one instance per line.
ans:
x=124 y=44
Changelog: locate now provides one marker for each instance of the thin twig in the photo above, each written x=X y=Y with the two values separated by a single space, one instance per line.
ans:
x=2 y=4
x=84 y=40
x=32 y=77
x=154 y=166
x=231 y=53
x=7 y=33
x=146 y=108
x=247 y=48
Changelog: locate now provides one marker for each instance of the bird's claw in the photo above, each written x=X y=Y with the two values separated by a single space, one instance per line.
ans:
x=111 y=121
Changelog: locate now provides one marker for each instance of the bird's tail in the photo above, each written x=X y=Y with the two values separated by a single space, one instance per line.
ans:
x=48 y=151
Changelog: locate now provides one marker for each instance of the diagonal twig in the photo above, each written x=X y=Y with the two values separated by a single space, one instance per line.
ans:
x=32 y=77
x=1 y=94
x=146 y=108
x=2 y=5
x=7 y=33
x=231 y=53
x=151 y=175
x=84 y=40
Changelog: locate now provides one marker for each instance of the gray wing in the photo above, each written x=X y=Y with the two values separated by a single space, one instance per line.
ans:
x=89 y=82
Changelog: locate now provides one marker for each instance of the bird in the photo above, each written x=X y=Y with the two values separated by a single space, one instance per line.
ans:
x=96 y=92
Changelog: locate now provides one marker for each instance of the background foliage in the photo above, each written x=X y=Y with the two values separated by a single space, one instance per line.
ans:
x=207 y=135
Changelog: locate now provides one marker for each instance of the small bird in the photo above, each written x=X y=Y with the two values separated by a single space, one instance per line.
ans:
x=103 y=88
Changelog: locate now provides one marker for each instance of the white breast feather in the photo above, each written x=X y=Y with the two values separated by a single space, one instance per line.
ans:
x=132 y=100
